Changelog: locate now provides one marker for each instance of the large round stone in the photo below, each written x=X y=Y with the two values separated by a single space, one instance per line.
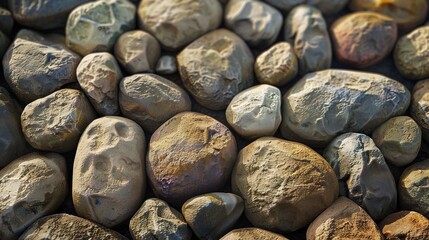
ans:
x=419 y=104
x=285 y=185
x=252 y=234
x=405 y=225
x=327 y=7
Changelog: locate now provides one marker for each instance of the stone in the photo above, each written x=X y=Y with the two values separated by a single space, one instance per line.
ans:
x=255 y=22
x=157 y=220
x=68 y=227
x=419 y=104
x=137 y=51
x=98 y=75
x=97 y=25
x=6 y=21
x=407 y=14
x=285 y=185
x=277 y=66
x=176 y=23
x=166 y=65
x=31 y=187
x=343 y=220
x=399 y=139
x=109 y=180
x=151 y=100
x=189 y=155
x=55 y=122
x=215 y=68
x=224 y=210
x=256 y=111
x=4 y=44
x=328 y=103
x=306 y=28
x=410 y=54
x=363 y=39
x=328 y=7
x=252 y=233
x=363 y=174
x=405 y=225
x=36 y=65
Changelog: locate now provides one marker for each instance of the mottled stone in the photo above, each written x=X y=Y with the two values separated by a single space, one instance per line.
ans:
x=343 y=220
x=406 y=225
x=55 y=122
x=137 y=51
x=215 y=68
x=167 y=64
x=285 y=185
x=98 y=75
x=188 y=155
x=252 y=234
x=277 y=65
x=399 y=140
x=256 y=111
x=176 y=23
x=36 y=65
x=31 y=187
x=419 y=104
x=306 y=28
x=6 y=21
x=325 y=104
x=156 y=220
x=96 y=26
x=328 y=7
x=212 y=215
x=150 y=100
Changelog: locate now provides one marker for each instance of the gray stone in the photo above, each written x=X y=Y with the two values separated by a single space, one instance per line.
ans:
x=167 y=64
x=252 y=234
x=328 y=7
x=419 y=106
x=6 y=21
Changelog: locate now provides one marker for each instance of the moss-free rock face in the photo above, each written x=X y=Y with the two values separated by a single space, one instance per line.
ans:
x=285 y=185
x=405 y=225
x=419 y=104
x=252 y=234
x=95 y=26
x=31 y=187
x=327 y=7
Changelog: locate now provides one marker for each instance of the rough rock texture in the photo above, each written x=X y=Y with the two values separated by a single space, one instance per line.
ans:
x=405 y=225
x=36 y=65
x=156 y=220
x=327 y=7
x=306 y=28
x=285 y=185
x=68 y=227
x=109 y=180
x=277 y=65
x=150 y=100
x=31 y=186
x=188 y=155
x=55 y=122
x=96 y=26
x=399 y=140
x=4 y=44
x=216 y=67
x=252 y=234
x=419 y=104
x=255 y=22
x=256 y=111
x=98 y=75
x=362 y=173
x=363 y=39
x=343 y=220
x=176 y=23
x=167 y=64
x=325 y=104
x=6 y=21
x=137 y=51
x=212 y=215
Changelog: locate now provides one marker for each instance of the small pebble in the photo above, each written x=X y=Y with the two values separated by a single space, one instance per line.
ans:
x=252 y=234
x=405 y=225
x=328 y=7
x=166 y=65
x=419 y=106
x=6 y=21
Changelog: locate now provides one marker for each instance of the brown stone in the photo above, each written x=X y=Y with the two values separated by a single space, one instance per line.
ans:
x=252 y=234
x=407 y=225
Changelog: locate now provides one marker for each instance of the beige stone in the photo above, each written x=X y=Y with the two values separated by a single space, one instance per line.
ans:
x=252 y=234
x=167 y=64
x=405 y=225
x=419 y=104
x=328 y=7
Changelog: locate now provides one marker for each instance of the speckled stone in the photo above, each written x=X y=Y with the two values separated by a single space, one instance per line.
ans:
x=167 y=64
x=252 y=234
x=6 y=21
x=419 y=104
x=327 y=7
x=405 y=225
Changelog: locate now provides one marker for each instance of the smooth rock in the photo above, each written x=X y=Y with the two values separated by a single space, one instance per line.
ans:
x=4 y=44
x=328 y=7
x=6 y=21
x=399 y=139
x=36 y=65
x=252 y=233
x=255 y=22
x=212 y=215
x=137 y=51
x=215 y=68
x=419 y=104
x=68 y=227
x=405 y=225
x=343 y=220
x=166 y=65
x=285 y=185
x=156 y=220
x=189 y=155
x=98 y=75
x=31 y=187
x=176 y=23
x=96 y=26
x=55 y=122
x=277 y=66
x=151 y=100
x=325 y=104
x=256 y=111
x=306 y=28
x=109 y=180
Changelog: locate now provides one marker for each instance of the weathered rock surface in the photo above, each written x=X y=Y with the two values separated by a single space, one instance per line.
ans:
x=325 y=104
x=285 y=185
x=215 y=68
x=405 y=225
x=419 y=104
x=31 y=187
x=327 y=7
x=252 y=234
x=167 y=64
x=6 y=21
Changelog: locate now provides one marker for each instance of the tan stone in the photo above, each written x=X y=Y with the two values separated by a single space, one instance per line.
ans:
x=252 y=234
x=406 y=225
x=419 y=104
x=327 y=7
